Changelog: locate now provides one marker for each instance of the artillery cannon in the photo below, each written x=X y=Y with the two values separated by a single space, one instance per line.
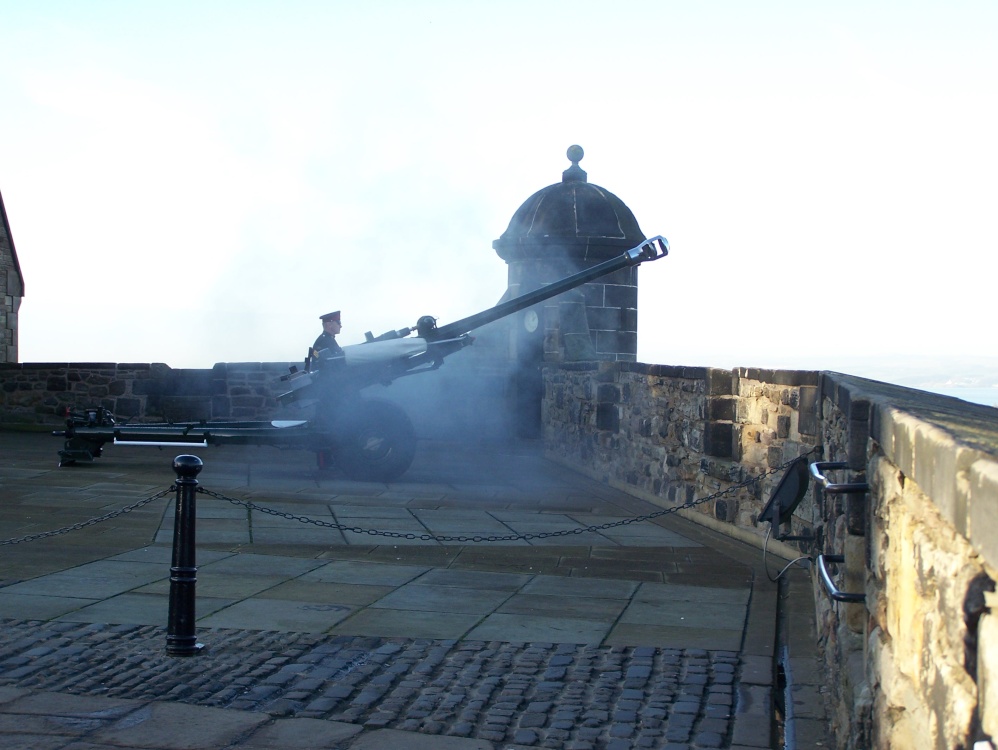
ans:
x=369 y=439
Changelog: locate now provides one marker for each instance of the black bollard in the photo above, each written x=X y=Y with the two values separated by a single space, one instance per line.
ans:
x=181 y=639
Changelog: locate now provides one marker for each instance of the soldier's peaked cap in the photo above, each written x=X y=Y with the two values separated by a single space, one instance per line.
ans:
x=330 y=316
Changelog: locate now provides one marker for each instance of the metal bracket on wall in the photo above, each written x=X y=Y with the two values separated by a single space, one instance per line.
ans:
x=855 y=506
x=833 y=488
x=855 y=524
x=833 y=591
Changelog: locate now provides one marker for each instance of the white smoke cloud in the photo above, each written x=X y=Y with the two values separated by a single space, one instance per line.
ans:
x=197 y=183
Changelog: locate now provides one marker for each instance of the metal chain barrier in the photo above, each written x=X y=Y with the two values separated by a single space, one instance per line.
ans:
x=89 y=522
x=495 y=538
x=398 y=534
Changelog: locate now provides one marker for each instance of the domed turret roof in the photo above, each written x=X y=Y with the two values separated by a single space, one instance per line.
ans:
x=572 y=216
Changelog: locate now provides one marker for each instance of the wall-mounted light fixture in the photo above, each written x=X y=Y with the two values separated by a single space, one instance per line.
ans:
x=785 y=499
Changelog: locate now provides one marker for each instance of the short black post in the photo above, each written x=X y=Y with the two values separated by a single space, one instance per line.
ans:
x=181 y=639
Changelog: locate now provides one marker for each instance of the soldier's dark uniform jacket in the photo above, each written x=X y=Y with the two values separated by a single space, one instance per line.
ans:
x=325 y=341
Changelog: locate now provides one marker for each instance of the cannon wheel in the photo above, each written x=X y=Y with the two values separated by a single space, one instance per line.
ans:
x=375 y=441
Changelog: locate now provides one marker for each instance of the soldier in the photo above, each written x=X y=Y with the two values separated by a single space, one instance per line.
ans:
x=327 y=339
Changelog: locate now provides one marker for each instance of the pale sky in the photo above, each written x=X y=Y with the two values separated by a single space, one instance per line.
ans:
x=196 y=182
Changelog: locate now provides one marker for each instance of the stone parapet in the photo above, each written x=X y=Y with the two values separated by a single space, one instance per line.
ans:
x=38 y=394
x=462 y=400
x=677 y=433
x=913 y=663
x=916 y=664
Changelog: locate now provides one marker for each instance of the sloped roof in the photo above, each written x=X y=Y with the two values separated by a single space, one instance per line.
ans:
x=573 y=215
x=7 y=246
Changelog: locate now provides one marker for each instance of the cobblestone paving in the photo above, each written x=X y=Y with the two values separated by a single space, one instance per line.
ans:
x=574 y=697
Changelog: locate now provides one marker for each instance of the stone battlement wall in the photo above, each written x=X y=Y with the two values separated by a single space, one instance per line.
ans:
x=452 y=402
x=918 y=660
x=36 y=395
x=672 y=434
x=916 y=665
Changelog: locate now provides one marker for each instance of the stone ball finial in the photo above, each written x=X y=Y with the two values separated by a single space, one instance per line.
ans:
x=574 y=173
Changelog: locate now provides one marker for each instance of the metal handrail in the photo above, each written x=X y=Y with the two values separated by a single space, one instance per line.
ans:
x=833 y=488
x=833 y=591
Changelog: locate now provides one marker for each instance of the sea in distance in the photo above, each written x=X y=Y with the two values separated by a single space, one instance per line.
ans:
x=976 y=395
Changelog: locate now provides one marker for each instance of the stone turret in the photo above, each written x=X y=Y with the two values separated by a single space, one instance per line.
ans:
x=562 y=229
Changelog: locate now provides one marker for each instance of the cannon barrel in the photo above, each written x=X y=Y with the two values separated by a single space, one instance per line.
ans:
x=651 y=249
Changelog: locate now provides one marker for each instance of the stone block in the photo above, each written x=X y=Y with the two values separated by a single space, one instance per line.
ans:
x=718 y=439
x=593 y=295
x=617 y=341
x=812 y=733
x=857 y=512
x=739 y=448
x=982 y=518
x=572 y=314
x=720 y=382
x=182 y=409
x=151 y=387
x=859 y=435
x=898 y=440
x=56 y=383
x=175 y=725
x=300 y=734
x=607 y=372
x=774 y=456
x=987 y=669
x=809 y=410
x=780 y=377
x=756 y=670
x=245 y=402
x=753 y=716
x=628 y=319
x=221 y=407
x=608 y=417
x=620 y=296
x=608 y=393
x=127 y=407
x=726 y=510
x=836 y=392
x=193 y=382
x=722 y=408
x=939 y=463
x=600 y=319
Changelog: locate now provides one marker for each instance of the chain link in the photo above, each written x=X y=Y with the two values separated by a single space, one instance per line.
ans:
x=507 y=537
x=89 y=522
